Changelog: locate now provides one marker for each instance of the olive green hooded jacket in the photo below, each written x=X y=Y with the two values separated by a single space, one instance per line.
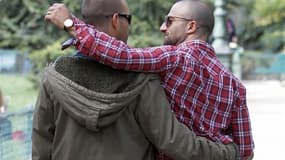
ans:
x=86 y=111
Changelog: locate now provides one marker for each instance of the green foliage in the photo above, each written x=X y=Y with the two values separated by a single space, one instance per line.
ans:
x=270 y=13
x=23 y=28
x=45 y=55
x=271 y=17
x=148 y=16
x=262 y=25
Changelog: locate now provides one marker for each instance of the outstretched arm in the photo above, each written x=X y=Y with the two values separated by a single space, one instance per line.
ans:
x=112 y=52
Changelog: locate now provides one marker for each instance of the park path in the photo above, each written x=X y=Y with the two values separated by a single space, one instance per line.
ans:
x=266 y=102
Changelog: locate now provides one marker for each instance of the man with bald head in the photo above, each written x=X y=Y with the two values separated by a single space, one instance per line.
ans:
x=196 y=15
x=202 y=93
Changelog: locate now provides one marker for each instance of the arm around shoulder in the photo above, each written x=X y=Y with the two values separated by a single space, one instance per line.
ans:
x=170 y=136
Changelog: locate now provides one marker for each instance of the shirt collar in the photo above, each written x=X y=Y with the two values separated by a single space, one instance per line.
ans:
x=199 y=44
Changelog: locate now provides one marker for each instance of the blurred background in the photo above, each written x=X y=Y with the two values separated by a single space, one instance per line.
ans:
x=249 y=38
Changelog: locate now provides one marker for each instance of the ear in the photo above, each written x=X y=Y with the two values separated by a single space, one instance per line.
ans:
x=192 y=27
x=115 y=21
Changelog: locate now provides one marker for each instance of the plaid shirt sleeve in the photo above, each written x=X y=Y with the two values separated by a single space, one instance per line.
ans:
x=241 y=125
x=109 y=51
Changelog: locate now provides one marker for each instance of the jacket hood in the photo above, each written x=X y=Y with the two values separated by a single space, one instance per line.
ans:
x=92 y=94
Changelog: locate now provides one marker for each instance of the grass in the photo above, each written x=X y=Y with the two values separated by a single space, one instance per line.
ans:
x=19 y=90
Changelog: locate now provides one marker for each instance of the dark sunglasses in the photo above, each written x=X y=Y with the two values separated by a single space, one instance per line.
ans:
x=169 y=19
x=127 y=16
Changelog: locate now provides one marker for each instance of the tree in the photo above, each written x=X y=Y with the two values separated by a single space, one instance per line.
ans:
x=22 y=25
x=261 y=24
x=148 y=16
x=23 y=28
x=270 y=16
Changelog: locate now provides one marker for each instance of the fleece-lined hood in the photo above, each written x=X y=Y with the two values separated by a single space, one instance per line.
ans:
x=92 y=94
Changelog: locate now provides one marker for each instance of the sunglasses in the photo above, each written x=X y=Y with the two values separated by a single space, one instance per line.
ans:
x=127 y=16
x=169 y=19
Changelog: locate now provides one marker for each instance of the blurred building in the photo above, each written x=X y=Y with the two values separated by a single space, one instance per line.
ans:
x=14 y=62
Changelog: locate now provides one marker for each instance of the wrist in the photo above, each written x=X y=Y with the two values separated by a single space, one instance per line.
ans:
x=68 y=24
x=69 y=27
x=72 y=31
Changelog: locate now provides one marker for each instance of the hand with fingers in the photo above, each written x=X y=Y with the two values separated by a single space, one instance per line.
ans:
x=57 y=14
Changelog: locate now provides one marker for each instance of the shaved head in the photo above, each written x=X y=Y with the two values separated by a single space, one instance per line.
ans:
x=93 y=11
x=107 y=16
x=196 y=10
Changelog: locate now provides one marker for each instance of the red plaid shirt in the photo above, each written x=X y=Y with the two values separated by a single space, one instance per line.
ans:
x=202 y=93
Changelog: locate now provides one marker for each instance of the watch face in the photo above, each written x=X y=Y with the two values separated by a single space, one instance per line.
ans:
x=68 y=23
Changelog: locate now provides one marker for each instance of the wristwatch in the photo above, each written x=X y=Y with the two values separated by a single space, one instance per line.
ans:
x=68 y=23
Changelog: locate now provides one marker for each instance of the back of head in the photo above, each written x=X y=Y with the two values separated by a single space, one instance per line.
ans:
x=107 y=16
x=200 y=12
x=95 y=12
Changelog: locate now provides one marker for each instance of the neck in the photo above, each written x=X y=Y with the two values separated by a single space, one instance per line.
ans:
x=196 y=37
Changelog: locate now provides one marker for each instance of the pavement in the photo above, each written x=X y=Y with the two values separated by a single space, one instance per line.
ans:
x=266 y=103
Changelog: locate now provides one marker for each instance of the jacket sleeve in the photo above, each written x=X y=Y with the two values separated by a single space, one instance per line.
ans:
x=43 y=128
x=172 y=137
